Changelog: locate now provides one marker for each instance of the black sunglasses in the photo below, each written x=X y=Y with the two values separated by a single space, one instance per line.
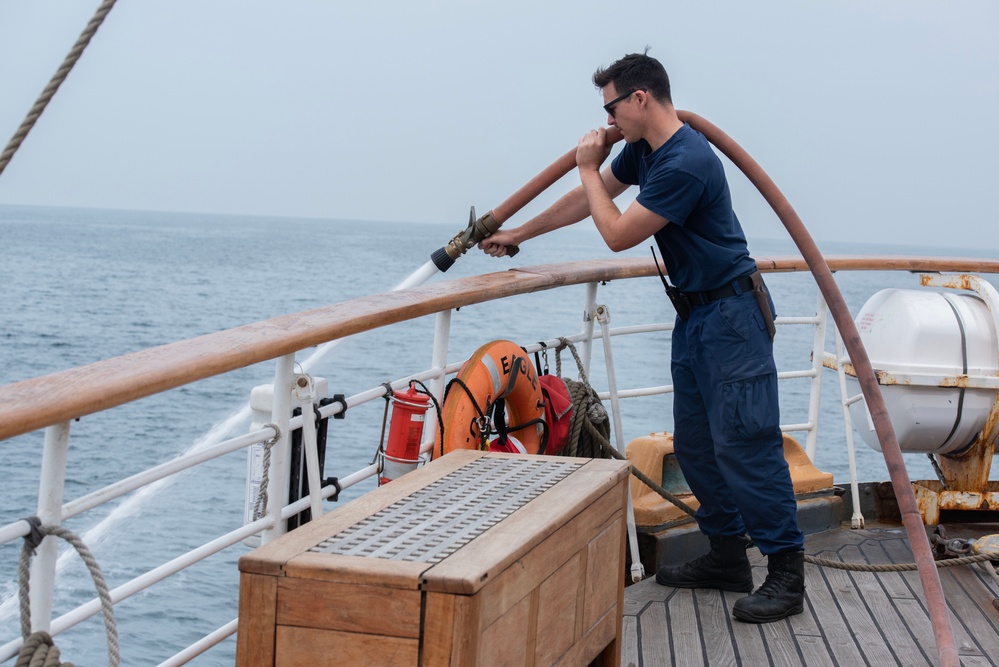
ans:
x=609 y=107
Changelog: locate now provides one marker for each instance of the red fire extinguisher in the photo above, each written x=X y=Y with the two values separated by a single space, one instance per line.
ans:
x=402 y=450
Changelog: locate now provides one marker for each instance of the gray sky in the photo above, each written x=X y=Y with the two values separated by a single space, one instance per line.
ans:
x=876 y=119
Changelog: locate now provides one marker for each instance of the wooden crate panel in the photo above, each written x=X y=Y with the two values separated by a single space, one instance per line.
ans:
x=505 y=642
x=603 y=640
x=558 y=625
x=604 y=573
x=452 y=639
x=257 y=608
x=308 y=647
x=348 y=607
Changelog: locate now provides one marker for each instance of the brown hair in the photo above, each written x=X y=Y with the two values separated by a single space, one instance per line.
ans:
x=636 y=71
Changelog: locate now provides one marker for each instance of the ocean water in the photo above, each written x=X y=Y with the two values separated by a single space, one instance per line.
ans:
x=79 y=286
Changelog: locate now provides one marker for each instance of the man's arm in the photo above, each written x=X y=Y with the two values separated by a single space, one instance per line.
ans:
x=620 y=231
x=567 y=210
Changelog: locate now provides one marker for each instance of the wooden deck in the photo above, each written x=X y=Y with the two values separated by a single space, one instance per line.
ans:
x=850 y=618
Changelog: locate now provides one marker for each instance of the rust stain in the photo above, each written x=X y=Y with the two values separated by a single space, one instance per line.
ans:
x=889 y=379
x=931 y=499
x=963 y=500
x=885 y=378
x=926 y=503
x=962 y=281
x=847 y=366
x=969 y=470
x=991 y=428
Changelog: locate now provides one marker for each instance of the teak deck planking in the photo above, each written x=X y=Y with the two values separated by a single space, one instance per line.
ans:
x=850 y=618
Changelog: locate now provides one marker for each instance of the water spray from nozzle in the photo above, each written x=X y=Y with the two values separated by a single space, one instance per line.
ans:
x=477 y=230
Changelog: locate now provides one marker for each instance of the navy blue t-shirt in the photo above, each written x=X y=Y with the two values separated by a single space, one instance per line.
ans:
x=703 y=245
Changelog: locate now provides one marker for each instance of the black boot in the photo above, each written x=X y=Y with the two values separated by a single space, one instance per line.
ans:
x=726 y=567
x=781 y=595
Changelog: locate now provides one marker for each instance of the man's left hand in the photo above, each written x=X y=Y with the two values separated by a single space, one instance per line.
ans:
x=592 y=151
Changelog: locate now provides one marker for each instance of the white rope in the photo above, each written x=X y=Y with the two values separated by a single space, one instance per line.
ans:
x=260 y=507
x=30 y=543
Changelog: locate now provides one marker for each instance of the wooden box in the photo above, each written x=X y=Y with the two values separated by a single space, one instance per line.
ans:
x=474 y=559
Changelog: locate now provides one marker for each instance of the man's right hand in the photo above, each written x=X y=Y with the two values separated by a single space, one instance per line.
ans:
x=495 y=245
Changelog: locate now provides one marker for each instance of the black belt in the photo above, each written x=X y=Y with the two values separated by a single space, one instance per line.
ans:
x=704 y=298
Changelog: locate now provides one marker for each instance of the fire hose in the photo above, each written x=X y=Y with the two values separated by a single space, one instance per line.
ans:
x=482 y=227
x=911 y=519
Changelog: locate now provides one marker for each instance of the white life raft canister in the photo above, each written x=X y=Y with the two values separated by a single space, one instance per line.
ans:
x=922 y=336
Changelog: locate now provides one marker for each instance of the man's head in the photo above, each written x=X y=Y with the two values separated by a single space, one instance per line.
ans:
x=637 y=98
x=636 y=71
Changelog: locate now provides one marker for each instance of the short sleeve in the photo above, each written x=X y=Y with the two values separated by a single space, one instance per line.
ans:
x=671 y=193
x=625 y=166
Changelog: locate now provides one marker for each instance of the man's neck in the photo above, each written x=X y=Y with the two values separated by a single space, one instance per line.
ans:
x=664 y=125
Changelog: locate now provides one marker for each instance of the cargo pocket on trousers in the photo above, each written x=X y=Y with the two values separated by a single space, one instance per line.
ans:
x=749 y=392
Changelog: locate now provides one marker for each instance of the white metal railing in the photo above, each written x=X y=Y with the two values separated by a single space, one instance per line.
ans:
x=53 y=510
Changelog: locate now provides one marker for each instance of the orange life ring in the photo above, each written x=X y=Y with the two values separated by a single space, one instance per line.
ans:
x=500 y=369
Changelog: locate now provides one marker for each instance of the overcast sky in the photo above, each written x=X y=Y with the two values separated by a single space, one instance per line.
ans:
x=878 y=120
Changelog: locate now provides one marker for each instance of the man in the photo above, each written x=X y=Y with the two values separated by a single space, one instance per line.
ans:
x=726 y=436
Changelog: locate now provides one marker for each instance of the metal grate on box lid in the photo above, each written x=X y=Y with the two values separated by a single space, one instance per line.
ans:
x=430 y=524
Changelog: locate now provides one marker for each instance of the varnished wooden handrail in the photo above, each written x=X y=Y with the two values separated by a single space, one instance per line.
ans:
x=33 y=404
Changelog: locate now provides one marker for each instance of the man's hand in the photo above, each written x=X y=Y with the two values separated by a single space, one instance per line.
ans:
x=496 y=243
x=591 y=150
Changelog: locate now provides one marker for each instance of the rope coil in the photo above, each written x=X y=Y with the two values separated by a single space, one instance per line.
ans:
x=589 y=416
x=38 y=649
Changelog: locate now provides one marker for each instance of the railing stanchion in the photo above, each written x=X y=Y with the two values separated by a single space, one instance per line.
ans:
x=50 y=495
x=818 y=348
x=438 y=363
x=602 y=315
x=305 y=395
x=857 y=520
x=278 y=474
x=589 y=315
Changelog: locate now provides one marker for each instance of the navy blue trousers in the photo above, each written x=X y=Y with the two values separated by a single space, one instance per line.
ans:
x=726 y=415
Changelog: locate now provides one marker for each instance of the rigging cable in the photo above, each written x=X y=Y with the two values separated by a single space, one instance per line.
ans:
x=56 y=81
